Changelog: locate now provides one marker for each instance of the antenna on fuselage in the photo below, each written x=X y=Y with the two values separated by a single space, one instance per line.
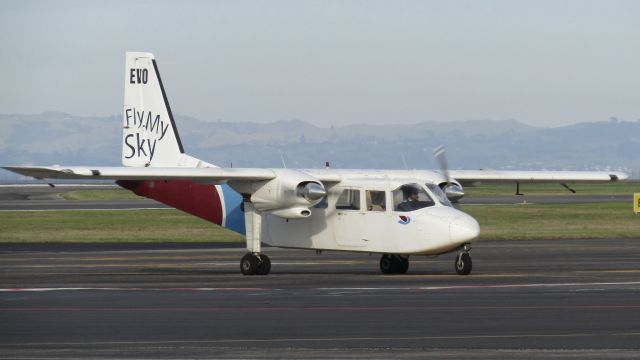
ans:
x=404 y=161
x=284 y=164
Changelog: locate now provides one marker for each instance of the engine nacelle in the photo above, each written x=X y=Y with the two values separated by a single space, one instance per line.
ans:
x=290 y=195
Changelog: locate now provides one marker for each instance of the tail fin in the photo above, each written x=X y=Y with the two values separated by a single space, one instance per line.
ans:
x=150 y=135
x=150 y=138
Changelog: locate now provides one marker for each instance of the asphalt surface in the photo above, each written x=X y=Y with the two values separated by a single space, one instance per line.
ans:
x=532 y=299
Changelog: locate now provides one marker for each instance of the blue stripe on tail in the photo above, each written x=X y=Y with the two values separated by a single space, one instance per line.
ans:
x=233 y=208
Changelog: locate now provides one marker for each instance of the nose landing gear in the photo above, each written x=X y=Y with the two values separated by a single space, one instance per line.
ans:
x=463 y=261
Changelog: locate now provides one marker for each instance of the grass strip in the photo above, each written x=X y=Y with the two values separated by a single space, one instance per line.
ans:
x=102 y=194
x=78 y=226
x=501 y=222
x=555 y=221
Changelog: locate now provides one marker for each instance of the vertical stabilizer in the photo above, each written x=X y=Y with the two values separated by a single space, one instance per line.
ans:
x=150 y=136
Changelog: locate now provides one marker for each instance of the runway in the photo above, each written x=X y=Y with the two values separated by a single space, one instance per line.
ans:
x=572 y=298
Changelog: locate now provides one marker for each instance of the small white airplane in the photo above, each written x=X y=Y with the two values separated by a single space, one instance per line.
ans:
x=396 y=213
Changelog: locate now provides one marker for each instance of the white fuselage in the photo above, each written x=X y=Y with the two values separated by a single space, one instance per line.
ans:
x=435 y=229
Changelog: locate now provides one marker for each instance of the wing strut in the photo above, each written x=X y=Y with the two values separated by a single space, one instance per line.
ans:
x=567 y=187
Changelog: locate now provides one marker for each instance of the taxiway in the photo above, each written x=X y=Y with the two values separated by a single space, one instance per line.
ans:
x=574 y=297
x=534 y=299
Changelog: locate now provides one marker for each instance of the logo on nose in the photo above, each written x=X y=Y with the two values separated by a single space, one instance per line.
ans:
x=404 y=220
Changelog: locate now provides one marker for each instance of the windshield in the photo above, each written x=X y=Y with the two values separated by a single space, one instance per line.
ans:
x=410 y=197
x=439 y=194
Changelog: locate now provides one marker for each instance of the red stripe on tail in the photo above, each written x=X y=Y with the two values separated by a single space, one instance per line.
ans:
x=202 y=201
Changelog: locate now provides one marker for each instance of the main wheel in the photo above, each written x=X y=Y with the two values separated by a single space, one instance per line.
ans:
x=393 y=264
x=249 y=264
x=463 y=264
x=403 y=265
x=264 y=265
x=387 y=264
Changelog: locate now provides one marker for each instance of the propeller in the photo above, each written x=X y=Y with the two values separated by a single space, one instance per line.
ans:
x=453 y=191
x=441 y=157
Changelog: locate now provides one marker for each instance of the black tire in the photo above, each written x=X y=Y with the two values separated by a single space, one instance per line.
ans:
x=463 y=264
x=264 y=265
x=403 y=265
x=387 y=264
x=249 y=264
x=393 y=264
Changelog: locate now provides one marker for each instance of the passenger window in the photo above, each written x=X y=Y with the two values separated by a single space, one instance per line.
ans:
x=411 y=197
x=375 y=200
x=349 y=200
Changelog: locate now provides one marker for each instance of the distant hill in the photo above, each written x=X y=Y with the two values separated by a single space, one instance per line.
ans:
x=59 y=138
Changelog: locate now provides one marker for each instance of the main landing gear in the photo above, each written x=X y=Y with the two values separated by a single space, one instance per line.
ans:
x=394 y=264
x=255 y=264
x=463 y=262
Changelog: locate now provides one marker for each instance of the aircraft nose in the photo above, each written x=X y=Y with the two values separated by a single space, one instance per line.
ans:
x=464 y=229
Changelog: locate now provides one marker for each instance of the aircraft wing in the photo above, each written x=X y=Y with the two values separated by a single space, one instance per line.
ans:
x=155 y=173
x=143 y=173
x=486 y=176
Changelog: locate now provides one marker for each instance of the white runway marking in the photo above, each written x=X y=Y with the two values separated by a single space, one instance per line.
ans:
x=125 y=289
x=334 y=290
x=496 y=286
x=331 y=339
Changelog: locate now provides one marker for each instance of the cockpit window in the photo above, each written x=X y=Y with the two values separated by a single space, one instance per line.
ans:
x=410 y=197
x=439 y=194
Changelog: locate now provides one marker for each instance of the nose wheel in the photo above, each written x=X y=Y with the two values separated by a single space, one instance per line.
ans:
x=254 y=264
x=463 y=263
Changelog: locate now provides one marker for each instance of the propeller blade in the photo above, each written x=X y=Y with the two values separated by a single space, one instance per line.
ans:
x=453 y=191
x=441 y=157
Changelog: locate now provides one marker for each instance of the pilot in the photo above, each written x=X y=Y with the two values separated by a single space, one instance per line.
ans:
x=411 y=202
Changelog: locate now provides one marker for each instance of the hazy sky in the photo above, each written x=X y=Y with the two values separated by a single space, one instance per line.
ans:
x=544 y=63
